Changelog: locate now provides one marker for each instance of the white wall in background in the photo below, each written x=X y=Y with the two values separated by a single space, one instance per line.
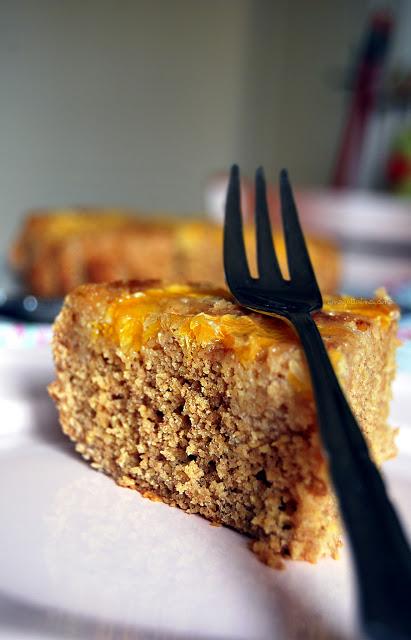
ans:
x=137 y=102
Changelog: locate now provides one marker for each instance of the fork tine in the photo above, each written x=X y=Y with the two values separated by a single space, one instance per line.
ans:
x=299 y=262
x=235 y=257
x=268 y=267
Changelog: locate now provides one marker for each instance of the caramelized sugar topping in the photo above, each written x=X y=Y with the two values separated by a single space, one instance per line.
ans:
x=210 y=318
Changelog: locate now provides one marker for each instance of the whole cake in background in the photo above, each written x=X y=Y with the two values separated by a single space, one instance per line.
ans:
x=178 y=392
x=58 y=250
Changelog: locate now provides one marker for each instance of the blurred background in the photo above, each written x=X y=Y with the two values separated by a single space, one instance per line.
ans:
x=144 y=102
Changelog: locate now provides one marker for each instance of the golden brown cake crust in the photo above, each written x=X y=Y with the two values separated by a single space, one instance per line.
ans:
x=55 y=252
x=221 y=423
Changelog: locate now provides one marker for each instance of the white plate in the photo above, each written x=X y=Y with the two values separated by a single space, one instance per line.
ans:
x=83 y=558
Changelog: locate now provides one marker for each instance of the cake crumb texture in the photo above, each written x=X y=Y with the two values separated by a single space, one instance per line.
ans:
x=181 y=394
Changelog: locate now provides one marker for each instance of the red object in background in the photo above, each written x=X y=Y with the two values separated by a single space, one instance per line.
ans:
x=366 y=81
x=398 y=168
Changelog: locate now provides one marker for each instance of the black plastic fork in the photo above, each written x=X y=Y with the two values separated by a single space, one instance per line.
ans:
x=381 y=554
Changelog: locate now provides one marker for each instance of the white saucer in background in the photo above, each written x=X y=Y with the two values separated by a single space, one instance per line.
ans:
x=372 y=229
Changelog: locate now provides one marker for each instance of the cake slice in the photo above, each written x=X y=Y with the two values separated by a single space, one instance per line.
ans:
x=60 y=249
x=179 y=393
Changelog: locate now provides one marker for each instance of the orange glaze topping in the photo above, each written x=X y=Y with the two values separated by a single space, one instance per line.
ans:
x=208 y=317
x=67 y=222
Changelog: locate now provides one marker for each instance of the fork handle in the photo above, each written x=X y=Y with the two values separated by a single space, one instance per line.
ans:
x=381 y=553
